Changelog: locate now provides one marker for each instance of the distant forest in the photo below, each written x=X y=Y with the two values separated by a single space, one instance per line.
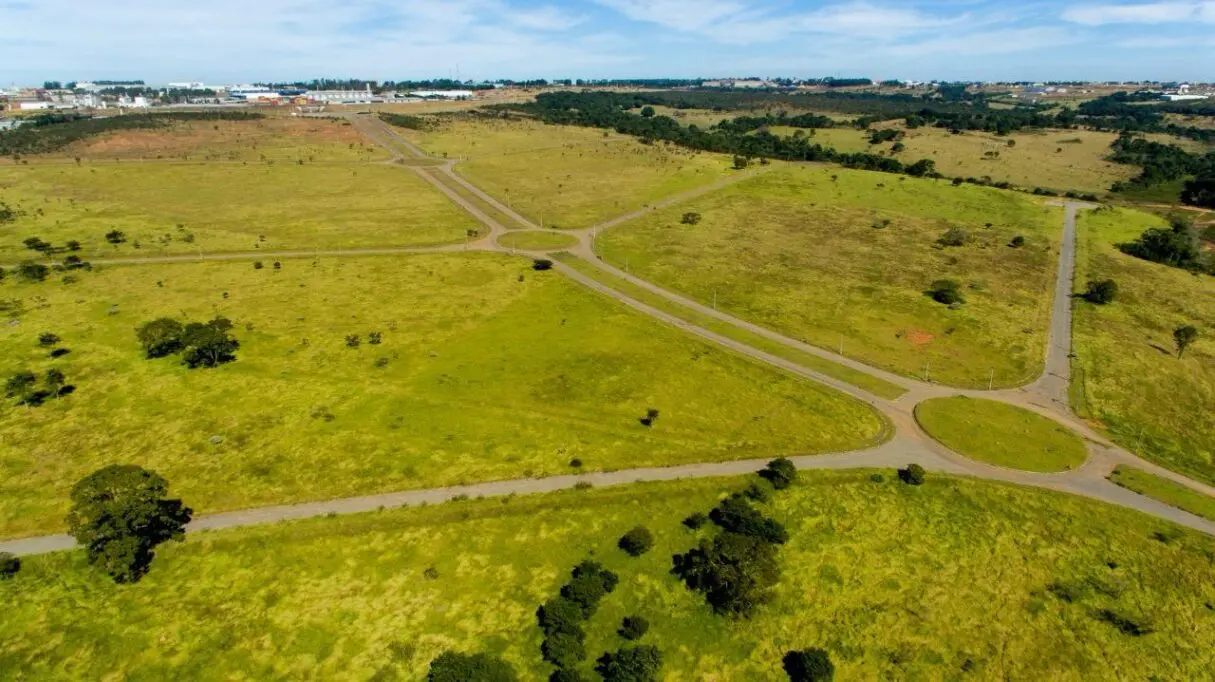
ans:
x=52 y=132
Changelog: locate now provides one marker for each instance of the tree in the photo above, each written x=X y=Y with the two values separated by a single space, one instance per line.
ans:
x=73 y=245
x=1199 y=192
x=115 y=237
x=741 y=162
x=1183 y=337
x=690 y=218
x=47 y=340
x=33 y=272
x=631 y=664
x=1101 y=293
x=453 y=666
x=560 y=615
x=651 y=416
x=120 y=514
x=734 y=572
x=1017 y=242
x=735 y=515
x=780 y=472
x=9 y=565
x=20 y=384
x=946 y=291
x=808 y=665
x=590 y=583
x=55 y=381
x=637 y=541
x=563 y=649
x=161 y=337
x=912 y=475
x=696 y=521
x=647 y=112
x=209 y=345
x=36 y=244
x=542 y=264
x=633 y=628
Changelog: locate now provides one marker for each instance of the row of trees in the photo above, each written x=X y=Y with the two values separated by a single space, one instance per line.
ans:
x=1177 y=246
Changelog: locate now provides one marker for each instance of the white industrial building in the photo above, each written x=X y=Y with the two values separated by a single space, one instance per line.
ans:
x=442 y=94
x=341 y=96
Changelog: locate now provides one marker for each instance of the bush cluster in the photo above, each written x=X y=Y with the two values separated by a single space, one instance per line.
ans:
x=453 y=666
x=637 y=541
x=201 y=344
x=561 y=617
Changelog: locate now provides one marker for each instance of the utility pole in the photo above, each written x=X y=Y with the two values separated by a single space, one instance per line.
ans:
x=841 y=345
x=714 y=299
x=991 y=381
x=927 y=372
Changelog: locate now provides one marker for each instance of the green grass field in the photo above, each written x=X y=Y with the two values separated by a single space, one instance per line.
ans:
x=863 y=380
x=473 y=137
x=225 y=207
x=577 y=187
x=1127 y=374
x=1001 y=434
x=802 y=250
x=537 y=241
x=1165 y=490
x=957 y=579
x=487 y=370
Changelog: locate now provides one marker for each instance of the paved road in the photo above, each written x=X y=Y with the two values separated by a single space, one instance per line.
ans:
x=905 y=441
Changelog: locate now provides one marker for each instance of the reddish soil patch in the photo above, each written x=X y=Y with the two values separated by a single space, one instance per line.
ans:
x=919 y=338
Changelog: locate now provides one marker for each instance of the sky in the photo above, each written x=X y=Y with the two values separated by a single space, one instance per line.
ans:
x=234 y=41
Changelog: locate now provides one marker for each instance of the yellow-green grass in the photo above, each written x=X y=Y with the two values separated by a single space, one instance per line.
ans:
x=797 y=250
x=470 y=137
x=577 y=187
x=285 y=140
x=225 y=207
x=1001 y=434
x=951 y=580
x=863 y=380
x=1159 y=488
x=487 y=371
x=1127 y=376
x=537 y=241
x=703 y=118
x=848 y=140
x=454 y=185
x=1062 y=160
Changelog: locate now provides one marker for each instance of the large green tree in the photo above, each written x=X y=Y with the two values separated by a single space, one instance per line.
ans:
x=453 y=666
x=120 y=514
x=734 y=572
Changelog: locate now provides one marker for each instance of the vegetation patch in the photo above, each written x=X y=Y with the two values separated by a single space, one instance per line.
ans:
x=795 y=250
x=1164 y=490
x=1130 y=375
x=1001 y=434
x=386 y=594
x=464 y=368
x=537 y=241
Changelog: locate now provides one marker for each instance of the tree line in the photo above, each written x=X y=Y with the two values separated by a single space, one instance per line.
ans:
x=612 y=111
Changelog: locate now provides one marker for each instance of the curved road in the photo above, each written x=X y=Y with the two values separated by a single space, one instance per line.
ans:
x=908 y=444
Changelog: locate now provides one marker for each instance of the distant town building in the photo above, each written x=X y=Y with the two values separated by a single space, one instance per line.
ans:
x=340 y=96
x=1184 y=98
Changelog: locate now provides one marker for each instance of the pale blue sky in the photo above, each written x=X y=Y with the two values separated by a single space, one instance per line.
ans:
x=221 y=41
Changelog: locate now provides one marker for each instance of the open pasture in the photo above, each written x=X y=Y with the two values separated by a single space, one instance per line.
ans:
x=957 y=579
x=281 y=139
x=839 y=257
x=166 y=208
x=481 y=135
x=1127 y=375
x=482 y=370
x=1001 y=434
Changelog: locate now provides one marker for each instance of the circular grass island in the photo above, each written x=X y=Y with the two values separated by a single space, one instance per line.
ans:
x=1001 y=434
x=536 y=240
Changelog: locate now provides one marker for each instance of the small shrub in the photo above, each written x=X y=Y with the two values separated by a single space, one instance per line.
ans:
x=1124 y=624
x=954 y=236
x=634 y=628
x=47 y=340
x=115 y=237
x=651 y=416
x=10 y=566
x=946 y=291
x=758 y=492
x=541 y=264
x=877 y=478
x=352 y=341
x=912 y=475
x=589 y=584
x=1101 y=293
x=631 y=664
x=576 y=463
x=690 y=218
x=258 y=265
x=637 y=541
x=452 y=666
x=1017 y=242
x=33 y=272
x=808 y=665
x=696 y=521
x=741 y=162
x=375 y=338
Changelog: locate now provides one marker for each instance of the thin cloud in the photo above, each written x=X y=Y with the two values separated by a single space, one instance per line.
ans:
x=1145 y=13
